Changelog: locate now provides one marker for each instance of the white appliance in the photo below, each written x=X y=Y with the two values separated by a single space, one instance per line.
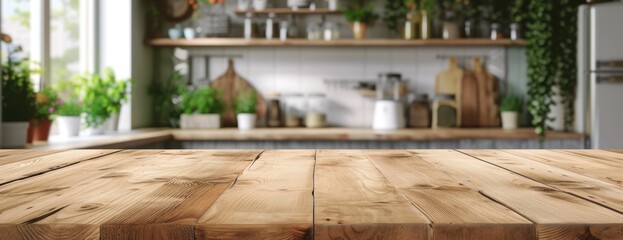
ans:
x=600 y=75
x=388 y=115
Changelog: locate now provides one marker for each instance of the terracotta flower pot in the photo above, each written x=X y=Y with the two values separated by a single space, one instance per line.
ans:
x=359 y=30
x=39 y=130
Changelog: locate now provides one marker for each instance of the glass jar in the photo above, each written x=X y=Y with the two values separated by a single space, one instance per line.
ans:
x=388 y=86
x=316 y=111
x=313 y=31
x=329 y=31
x=274 y=111
x=419 y=111
x=295 y=109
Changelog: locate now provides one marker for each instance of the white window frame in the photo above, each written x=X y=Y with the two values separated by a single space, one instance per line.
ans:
x=40 y=41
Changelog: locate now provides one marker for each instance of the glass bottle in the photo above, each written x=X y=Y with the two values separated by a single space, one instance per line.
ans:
x=294 y=109
x=283 y=30
x=495 y=31
x=316 y=116
x=269 y=26
x=409 y=30
x=248 y=26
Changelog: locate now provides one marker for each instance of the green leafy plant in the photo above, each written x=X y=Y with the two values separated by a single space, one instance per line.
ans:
x=551 y=50
x=517 y=10
x=540 y=59
x=102 y=96
x=18 y=96
x=165 y=94
x=395 y=13
x=69 y=109
x=203 y=100
x=511 y=103
x=246 y=102
x=360 y=11
x=47 y=103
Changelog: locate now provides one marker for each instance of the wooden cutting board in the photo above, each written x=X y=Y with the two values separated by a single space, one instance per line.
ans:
x=468 y=100
x=448 y=81
x=231 y=84
x=488 y=94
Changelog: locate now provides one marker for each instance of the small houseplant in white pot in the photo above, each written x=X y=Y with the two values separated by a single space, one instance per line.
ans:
x=245 y=105
x=68 y=118
x=18 y=102
x=102 y=99
x=201 y=108
x=510 y=107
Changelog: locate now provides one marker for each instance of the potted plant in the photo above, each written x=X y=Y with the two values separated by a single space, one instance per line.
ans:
x=245 y=105
x=102 y=98
x=47 y=103
x=360 y=13
x=68 y=118
x=18 y=102
x=510 y=107
x=201 y=108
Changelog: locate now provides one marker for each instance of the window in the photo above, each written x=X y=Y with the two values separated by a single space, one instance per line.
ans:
x=65 y=37
x=53 y=34
x=16 y=21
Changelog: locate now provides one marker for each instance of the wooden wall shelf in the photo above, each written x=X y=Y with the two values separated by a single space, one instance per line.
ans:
x=301 y=11
x=239 y=42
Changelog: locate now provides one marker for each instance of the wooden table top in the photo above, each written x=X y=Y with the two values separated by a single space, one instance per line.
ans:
x=311 y=194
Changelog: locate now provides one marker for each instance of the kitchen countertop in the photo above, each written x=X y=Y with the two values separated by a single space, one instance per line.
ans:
x=145 y=136
x=311 y=194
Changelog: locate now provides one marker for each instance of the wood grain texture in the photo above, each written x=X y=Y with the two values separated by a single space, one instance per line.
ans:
x=135 y=189
x=240 y=42
x=469 y=101
x=11 y=156
x=542 y=204
x=600 y=192
x=353 y=200
x=597 y=164
x=271 y=199
x=354 y=134
x=307 y=194
x=455 y=210
x=40 y=164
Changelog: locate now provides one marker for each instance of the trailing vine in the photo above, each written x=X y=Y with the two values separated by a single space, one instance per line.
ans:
x=566 y=62
x=551 y=38
x=540 y=61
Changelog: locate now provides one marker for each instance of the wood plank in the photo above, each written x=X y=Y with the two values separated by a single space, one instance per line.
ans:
x=241 y=42
x=455 y=210
x=557 y=214
x=272 y=199
x=353 y=200
x=131 y=195
x=593 y=163
x=12 y=156
x=600 y=192
x=43 y=163
x=288 y=11
x=362 y=134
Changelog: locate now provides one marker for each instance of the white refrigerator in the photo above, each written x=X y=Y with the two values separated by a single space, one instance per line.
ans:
x=599 y=106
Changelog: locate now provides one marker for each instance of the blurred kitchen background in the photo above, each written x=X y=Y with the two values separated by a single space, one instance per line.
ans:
x=311 y=73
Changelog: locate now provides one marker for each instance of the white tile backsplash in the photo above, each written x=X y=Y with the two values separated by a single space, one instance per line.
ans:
x=304 y=69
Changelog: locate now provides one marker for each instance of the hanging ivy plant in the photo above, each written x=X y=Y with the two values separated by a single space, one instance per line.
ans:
x=551 y=50
x=540 y=61
x=565 y=52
